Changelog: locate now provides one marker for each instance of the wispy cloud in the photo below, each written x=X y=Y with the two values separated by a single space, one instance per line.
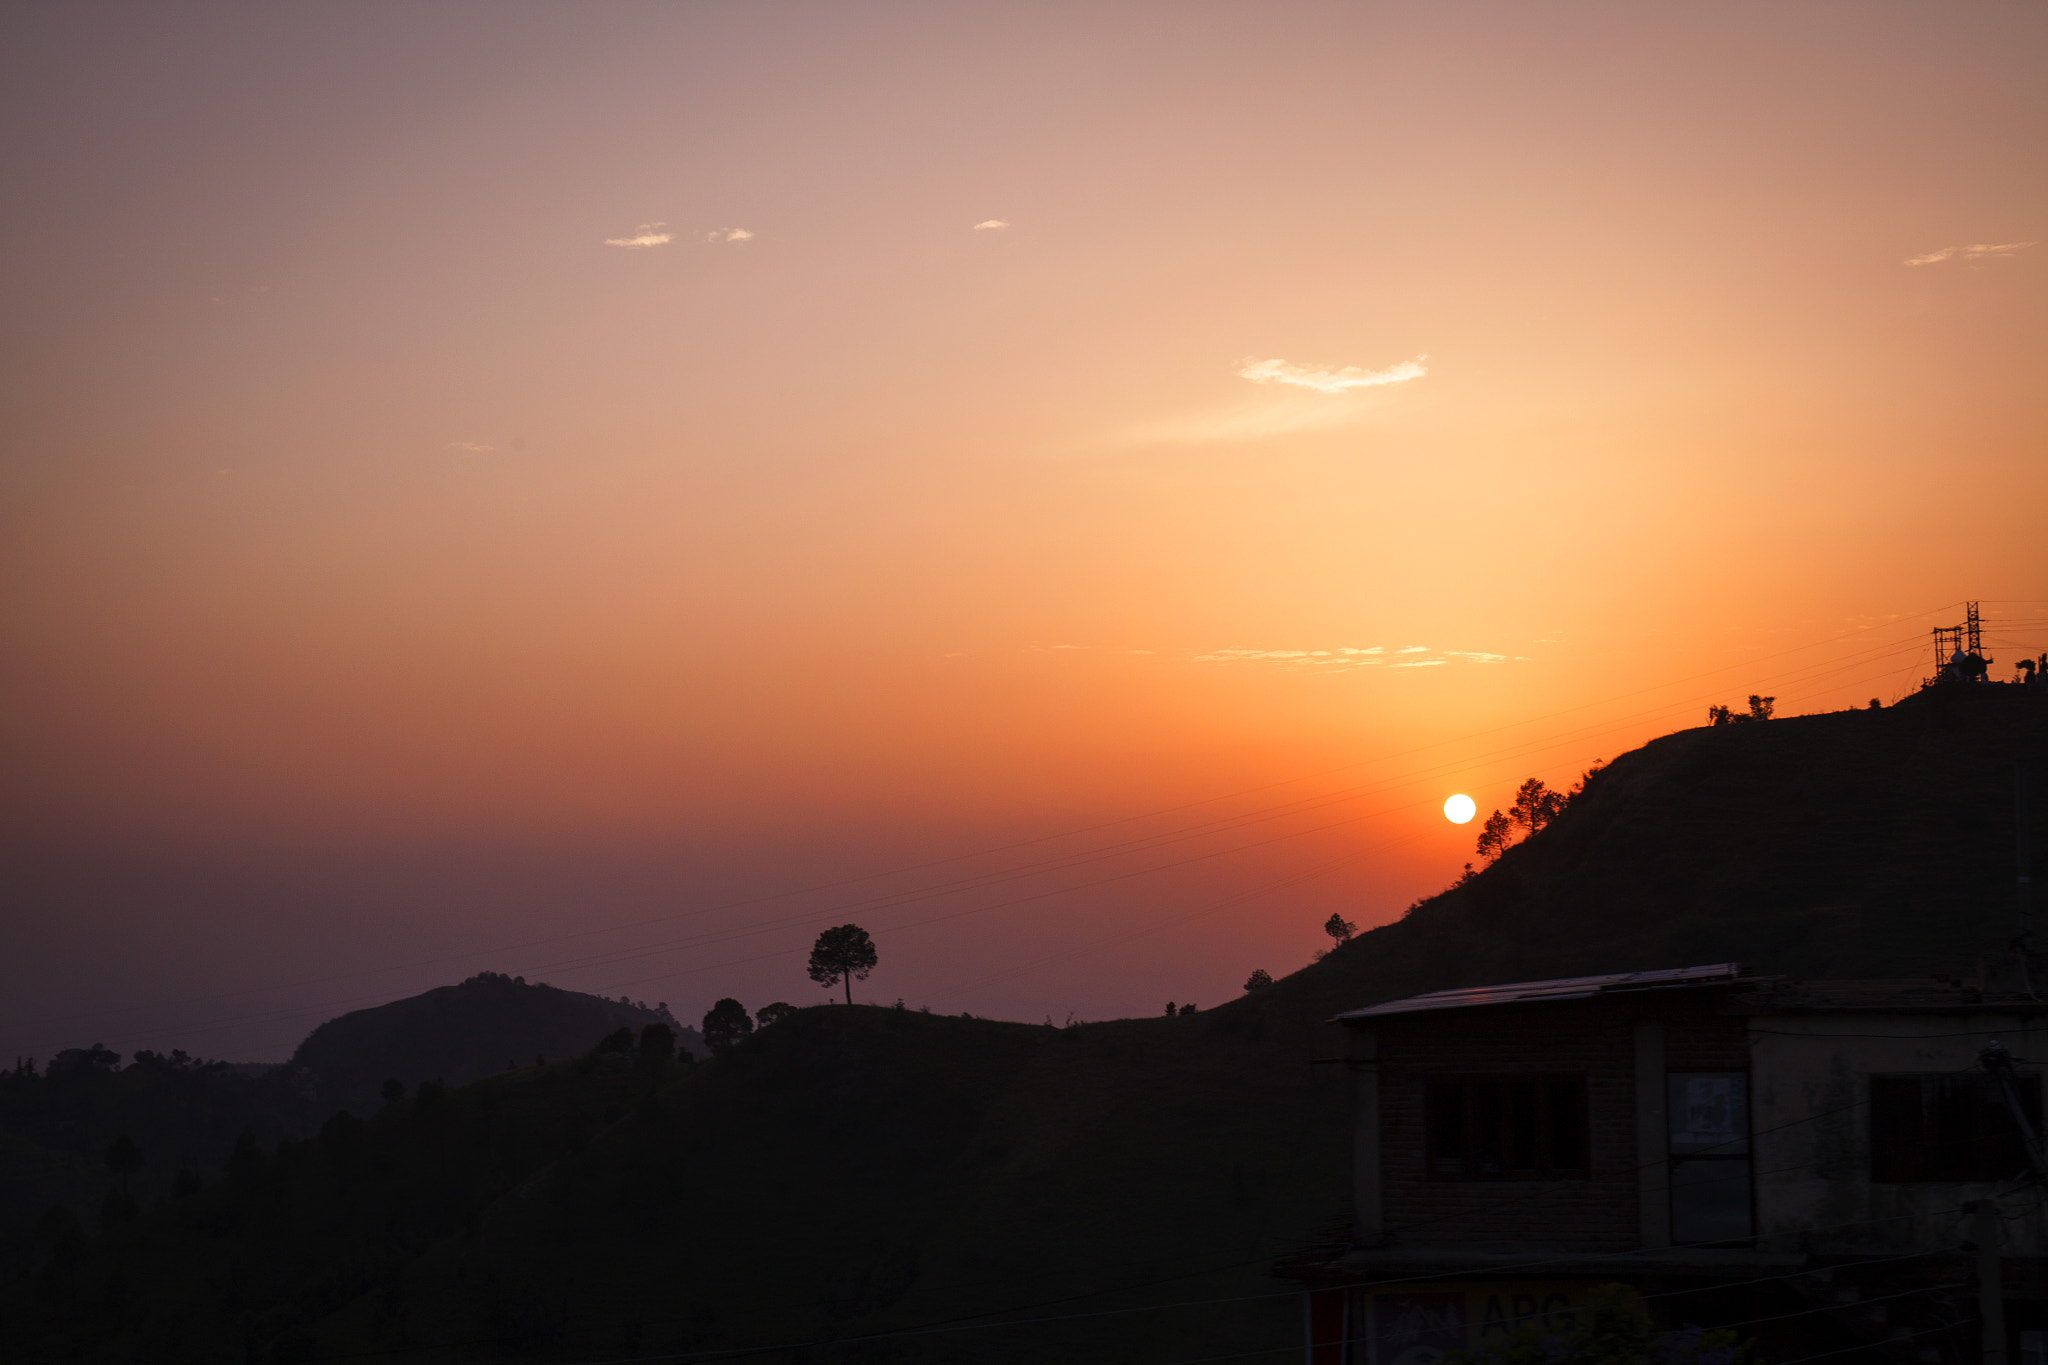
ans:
x=1296 y=399
x=990 y=225
x=1233 y=656
x=729 y=235
x=1975 y=251
x=470 y=446
x=1340 y=658
x=1278 y=371
x=646 y=235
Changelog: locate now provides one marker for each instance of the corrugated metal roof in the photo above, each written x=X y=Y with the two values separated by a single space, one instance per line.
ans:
x=1563 y=988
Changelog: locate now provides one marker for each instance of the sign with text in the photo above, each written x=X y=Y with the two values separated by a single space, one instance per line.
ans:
x=1424 y=1326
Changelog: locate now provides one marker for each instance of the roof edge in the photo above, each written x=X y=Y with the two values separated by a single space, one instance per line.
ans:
x=1560 y=988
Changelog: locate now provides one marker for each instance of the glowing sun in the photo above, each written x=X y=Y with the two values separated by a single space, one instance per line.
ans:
x=1460 y=808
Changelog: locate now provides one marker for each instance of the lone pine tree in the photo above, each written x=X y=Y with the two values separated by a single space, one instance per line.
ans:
x=842 y=954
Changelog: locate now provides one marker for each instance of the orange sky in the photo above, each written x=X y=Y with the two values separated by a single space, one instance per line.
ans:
x=481 y=474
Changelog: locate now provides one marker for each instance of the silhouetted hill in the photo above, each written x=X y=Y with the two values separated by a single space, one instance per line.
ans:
x=883 y=1185
x=1852 y=844
x=458 y=1034
x=186 y=1113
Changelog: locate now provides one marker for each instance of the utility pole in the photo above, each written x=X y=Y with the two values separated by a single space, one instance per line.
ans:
x=1990 y=1282
x=2025 y=942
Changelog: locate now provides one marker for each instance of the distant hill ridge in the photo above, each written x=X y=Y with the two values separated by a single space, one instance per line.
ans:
x=458 y=1034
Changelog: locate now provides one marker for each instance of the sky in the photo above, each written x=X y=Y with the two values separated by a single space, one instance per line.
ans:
x=605 y=492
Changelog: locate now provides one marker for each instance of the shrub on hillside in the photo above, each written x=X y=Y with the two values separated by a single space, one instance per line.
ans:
x=725 y=1023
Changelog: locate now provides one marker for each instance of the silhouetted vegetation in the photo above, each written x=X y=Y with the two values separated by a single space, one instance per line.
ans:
x=842 y=954
x=1535 y=806
x=1760 y=708
x=1258 y=980
x=725 y=1024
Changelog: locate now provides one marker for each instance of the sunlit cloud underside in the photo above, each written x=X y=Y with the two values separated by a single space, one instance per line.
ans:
x=646 y=235
x=1343 y=657
x=1345 y=380
x=1976 y=251
x=1298 y=399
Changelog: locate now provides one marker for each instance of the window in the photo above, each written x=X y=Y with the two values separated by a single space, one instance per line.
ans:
x=1520 y=1128
x=1951 y=1126
x=1710 y=1173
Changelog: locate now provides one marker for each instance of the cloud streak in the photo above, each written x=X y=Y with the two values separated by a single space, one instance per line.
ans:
x=737 y=234
x=646 y=235
x=1975 y=251
x=1346 y=380
x=990 y=225
x=1344 y=657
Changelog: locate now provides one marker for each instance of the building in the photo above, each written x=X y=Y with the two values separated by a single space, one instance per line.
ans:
x=1811 y=1160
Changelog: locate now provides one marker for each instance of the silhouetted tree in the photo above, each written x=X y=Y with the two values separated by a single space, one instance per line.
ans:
x=1495 y=835
x=1339 y=928
x=1536 y=805
x=657 y=1046
x=1760 y=708
x=725 y=1023
x=774 y=1014
x=394 y=1090
x=124 y=1158
x=842 y=954
x=618 y=1040
x=186 y=1183
x=1258 y=980
x=1187 y=1009
x=1171 y=1009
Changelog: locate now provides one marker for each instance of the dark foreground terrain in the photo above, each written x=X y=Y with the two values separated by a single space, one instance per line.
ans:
x=859 y=1184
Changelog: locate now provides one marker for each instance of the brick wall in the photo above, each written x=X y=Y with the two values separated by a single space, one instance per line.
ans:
x=1592 y=1038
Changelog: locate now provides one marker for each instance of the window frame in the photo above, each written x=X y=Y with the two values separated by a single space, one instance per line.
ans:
x=1545 y=1138
x=1893 y=1160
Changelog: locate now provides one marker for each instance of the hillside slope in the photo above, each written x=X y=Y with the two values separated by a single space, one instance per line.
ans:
x=458 y=1034
x=873 y=1184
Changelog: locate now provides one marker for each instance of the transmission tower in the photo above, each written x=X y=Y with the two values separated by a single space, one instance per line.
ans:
x=1967 y=638
x=1963 y=639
